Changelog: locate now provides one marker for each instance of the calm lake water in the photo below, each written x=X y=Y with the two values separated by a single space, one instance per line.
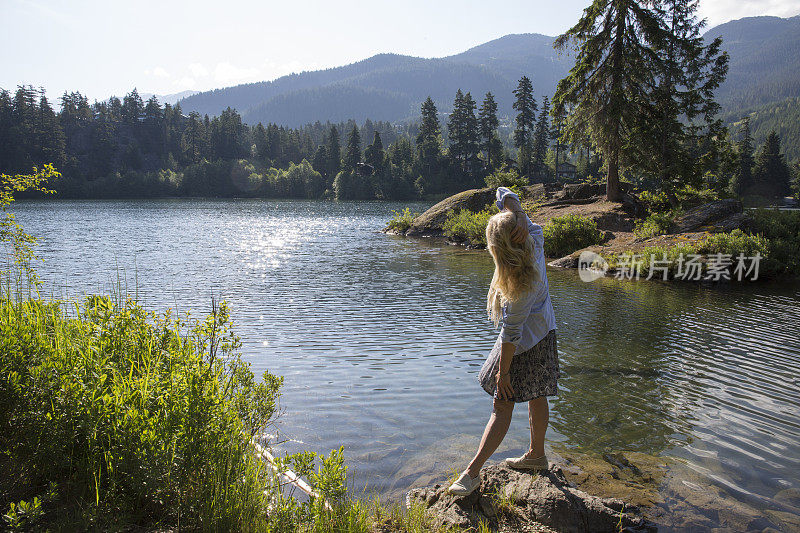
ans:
x=380 y=339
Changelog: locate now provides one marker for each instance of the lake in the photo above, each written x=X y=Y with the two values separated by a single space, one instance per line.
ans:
x=380 y=339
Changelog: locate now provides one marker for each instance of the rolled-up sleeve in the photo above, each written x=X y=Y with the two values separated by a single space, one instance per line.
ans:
x=514 y=316
x=502 y=193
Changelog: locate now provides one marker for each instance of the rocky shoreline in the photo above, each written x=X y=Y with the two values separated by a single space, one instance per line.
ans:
x=598 y=492
x=616 y=220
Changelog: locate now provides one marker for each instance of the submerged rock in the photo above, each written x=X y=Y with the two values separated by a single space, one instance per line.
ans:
x=512 y=500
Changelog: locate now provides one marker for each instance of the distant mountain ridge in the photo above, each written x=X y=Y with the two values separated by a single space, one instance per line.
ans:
x=391 y=86
x=764 y=69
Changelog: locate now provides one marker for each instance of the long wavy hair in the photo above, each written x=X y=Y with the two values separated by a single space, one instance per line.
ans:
x=515 y=267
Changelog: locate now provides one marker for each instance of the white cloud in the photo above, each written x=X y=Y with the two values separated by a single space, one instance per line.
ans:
x=719 y=11
x=198 y=70
x=228 y=74
x=160 y=72
x=185 y=83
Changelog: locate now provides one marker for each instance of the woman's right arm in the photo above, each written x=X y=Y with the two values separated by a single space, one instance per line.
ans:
x=510 y=201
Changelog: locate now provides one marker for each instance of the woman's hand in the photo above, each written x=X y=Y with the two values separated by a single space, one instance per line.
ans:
x=520 y=232
x=504 y=389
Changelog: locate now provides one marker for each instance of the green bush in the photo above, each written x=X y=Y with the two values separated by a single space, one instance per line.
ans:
x=655 y=224
x=687 y=197
x=465 y=226
x=131 y=416
x=506 y=177
x=782 y=228
x=564 y=235
x=401 y=220
x=732 y=243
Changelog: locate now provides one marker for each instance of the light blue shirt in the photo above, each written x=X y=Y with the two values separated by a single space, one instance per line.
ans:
x=527 y=320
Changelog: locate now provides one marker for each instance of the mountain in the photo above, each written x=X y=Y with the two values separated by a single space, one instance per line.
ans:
x=764 y=60
x=170 y=99
x=763 y=81
x=392 y=87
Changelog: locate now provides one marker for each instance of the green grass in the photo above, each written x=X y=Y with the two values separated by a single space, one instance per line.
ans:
x=564 y=235
x=401 y=220
x=466 y=226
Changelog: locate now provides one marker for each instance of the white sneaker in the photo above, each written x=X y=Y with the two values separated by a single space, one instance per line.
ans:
x=526 y=463
x=464 y=485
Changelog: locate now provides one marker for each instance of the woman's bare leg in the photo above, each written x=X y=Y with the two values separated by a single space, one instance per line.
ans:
x=493 y=435
x=539 y=417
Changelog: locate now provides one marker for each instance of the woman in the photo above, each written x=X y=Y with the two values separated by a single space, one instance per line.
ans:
x=523 y=365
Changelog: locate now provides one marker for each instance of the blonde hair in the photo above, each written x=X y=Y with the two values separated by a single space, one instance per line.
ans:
x=515 y=267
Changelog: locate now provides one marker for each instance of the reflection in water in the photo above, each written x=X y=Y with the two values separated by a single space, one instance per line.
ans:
x=380 y=339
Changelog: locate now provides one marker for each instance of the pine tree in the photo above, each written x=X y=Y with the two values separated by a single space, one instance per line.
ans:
x=132 y=107
x=613 y=71
x=334 y=153
x=487 y=127
x=681 y=108
x=374 y=154
x=462 y=128
x=771 y=174
x=320 y=161
x=743 y=178
x=525 y=105
x=193 y=139
x=429 y=138
x=352 y=156
x=541 y=138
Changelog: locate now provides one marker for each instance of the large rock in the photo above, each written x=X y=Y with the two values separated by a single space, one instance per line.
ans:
x=429 y=223
x=534 y=499
x=706 y=215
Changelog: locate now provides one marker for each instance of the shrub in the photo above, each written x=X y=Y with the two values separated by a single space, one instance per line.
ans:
x=401 y=220
x=131 y=416
x=465 y=226
x=655 y=224
x=733 y=243
x=507 y=177
x=564 y=235
x=687 y=198
x=782 y=228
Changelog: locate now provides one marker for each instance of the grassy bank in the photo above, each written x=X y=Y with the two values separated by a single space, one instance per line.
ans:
x=115 y=418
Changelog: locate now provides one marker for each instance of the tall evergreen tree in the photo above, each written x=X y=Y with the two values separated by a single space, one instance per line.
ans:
x=132 y=107
x=374 y=154
x=525 y=105
x=743 y=178
x=462 y=128
x=541 y=138
x=487 y=127
x=681 y=107
x=320 y=161
x=429 y=138
x=613 y=72
x=334 y=153
x=771 y=174
x=193 y=139
x=352 y=156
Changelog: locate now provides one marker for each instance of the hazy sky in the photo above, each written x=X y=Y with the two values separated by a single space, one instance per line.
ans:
x=108 y=47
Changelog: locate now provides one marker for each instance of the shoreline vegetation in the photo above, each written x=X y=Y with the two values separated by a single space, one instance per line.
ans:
x=627 y=235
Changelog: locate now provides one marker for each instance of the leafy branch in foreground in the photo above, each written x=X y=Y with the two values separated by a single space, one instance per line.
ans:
x=11 y=232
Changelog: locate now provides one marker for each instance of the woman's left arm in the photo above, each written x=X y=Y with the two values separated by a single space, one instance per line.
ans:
x=514 y=315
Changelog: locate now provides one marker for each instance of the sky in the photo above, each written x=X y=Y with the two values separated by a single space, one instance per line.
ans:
x=109 y=47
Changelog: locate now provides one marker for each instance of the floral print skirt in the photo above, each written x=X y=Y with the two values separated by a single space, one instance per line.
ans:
x=534 y=373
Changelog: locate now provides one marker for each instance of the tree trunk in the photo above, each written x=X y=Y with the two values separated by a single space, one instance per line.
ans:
x=613 y=192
